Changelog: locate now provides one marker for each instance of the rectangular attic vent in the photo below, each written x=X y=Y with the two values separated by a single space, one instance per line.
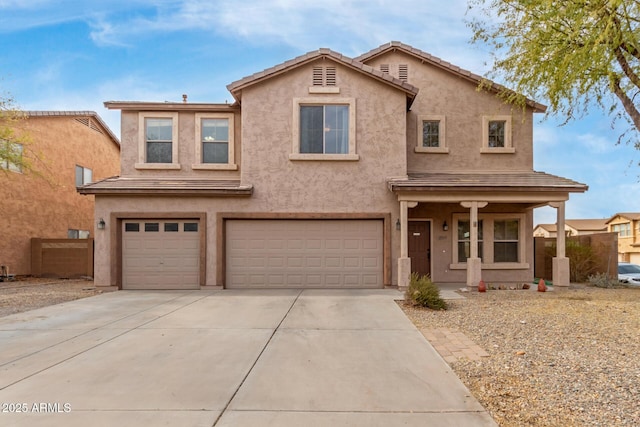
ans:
x=324 y=76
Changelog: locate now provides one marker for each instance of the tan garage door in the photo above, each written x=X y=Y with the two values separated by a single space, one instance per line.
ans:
x=160 y=254
x=304 y=253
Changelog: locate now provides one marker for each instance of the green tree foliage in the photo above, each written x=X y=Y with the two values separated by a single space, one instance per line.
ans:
x=570 y=53
x=12 y=144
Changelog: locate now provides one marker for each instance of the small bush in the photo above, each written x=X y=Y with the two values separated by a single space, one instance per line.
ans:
x=423 y=292
x=601 y=280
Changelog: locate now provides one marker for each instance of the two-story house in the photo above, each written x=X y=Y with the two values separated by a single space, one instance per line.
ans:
x=627 y=225
x=572 y=227
x=328 y=171
x=67 y=149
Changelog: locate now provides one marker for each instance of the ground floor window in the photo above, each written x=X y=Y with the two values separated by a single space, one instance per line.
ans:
x=464 y=240
x=500 y=238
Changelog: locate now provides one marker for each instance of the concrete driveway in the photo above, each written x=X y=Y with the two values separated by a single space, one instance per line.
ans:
x=227 y=358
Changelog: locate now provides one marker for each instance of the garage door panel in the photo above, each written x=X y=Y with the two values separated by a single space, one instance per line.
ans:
x=166 y=258
x=310 y=253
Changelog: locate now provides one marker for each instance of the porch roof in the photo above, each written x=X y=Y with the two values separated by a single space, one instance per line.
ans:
x=117 y=186
x=486 y=182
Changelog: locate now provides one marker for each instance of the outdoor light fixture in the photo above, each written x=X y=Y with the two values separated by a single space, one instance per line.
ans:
x=445 y=227
x=101 y=224
x=397 y=224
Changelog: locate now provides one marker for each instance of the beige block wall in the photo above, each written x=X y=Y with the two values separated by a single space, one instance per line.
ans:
x=47 y=206
x=443 y=93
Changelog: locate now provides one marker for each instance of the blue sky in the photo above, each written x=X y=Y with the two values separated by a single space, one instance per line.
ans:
x=74 y=55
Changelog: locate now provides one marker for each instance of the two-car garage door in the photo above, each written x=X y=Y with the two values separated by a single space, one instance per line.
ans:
x=304 y=253
x=258 y=253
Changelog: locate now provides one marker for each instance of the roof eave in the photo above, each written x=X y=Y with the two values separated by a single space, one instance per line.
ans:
x=167 y=106
x=167 y=192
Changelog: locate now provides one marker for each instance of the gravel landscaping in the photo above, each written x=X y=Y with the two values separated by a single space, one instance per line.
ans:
x=31 y=293
x=569 y=357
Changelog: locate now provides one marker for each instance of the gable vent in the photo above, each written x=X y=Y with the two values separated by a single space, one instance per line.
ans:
x=330 y=76
x=317 y=76
x=86 y=121
x=384 y=68
x=324 y=76
x=403 y=72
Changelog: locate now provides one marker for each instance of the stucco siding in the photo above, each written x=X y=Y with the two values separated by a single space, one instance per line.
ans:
x=46 y=205
x=442 y=93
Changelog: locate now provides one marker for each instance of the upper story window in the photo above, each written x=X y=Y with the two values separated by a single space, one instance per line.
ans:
x=215 y=142
x=324 y=129
x=158 y=141
x=623 y=230
x=83 y=176
x=431 y=134
x=13 y=156
x=496 y=134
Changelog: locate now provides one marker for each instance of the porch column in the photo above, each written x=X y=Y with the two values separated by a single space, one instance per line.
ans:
x=404 y=262
x=560 y=263
x=474 y=263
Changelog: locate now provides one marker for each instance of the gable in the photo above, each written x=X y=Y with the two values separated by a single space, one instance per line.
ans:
x=329 y=57
x=381 y=55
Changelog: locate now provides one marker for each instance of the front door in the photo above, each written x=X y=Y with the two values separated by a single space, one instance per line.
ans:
x=420 y=247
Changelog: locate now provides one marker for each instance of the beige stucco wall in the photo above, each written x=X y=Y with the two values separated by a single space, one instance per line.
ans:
x=47 y=206
x=443 y=93
x=281 y=184
x=186 y=149
x=628 y=246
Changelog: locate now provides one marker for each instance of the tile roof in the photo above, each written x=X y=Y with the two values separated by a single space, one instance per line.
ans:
x=238 y=85
x=507 y=181
x=579 y=224
x=633 y=216
x=92 y=114
x=440 y=63
x=167 y=187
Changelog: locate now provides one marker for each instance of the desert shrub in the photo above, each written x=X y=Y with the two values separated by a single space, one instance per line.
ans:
x=423 y=292
x=582 y=261
x=601 y=280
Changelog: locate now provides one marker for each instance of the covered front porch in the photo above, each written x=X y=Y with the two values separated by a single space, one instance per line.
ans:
x=463 y=228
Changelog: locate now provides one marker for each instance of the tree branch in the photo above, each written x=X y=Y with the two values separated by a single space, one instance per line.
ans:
x=627 y=103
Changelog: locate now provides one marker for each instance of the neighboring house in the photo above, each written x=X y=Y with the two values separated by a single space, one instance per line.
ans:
x=331 y=172
x=627 y=225
x=67 y=149
x=573 y=227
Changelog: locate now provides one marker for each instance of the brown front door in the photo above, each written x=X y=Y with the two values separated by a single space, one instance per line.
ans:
x=420 y=247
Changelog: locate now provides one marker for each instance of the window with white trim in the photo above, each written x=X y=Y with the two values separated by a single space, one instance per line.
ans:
x=501 y=240
x=431 y=134
x=214 y=141
x=324 y=129
x=464 y=240
x=158 y=141
x=83 y=176
x=496 y=134
x=623 y=230
x=506 y=240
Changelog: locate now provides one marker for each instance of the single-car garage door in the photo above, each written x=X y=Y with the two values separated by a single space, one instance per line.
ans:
x=160 y=254
x=304 y=253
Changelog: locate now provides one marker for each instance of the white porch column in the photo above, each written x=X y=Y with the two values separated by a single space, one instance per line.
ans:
x=404 y=262
x=560 y=263
x=474 y=263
